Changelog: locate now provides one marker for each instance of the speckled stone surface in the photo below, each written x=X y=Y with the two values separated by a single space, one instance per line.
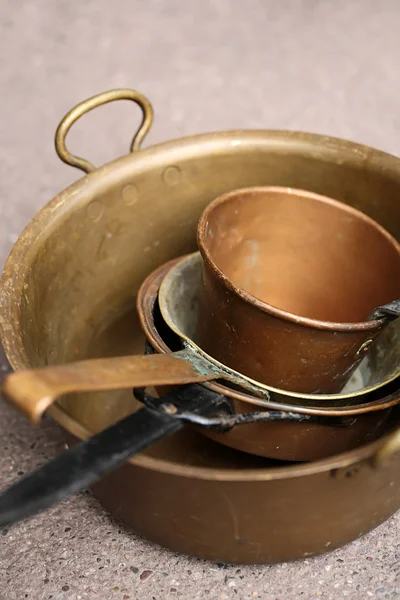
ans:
x=330 y=67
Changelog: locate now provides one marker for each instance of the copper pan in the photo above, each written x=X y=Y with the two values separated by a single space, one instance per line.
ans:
x=337 y=429
x=69 y=291
x=290 y=282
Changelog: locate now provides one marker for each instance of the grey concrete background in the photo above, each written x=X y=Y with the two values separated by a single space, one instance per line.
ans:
x=319 y=65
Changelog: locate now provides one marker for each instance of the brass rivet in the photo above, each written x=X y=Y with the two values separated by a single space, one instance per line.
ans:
x=130 y=194
x=95 y=210
x=169 y=408
x=172 y=175
x=346 y=472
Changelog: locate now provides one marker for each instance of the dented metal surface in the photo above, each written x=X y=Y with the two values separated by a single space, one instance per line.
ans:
x=185 y=494
x=315 y=438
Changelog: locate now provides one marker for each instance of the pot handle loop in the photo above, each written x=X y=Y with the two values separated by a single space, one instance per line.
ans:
x=388 y=449
x=88 y=105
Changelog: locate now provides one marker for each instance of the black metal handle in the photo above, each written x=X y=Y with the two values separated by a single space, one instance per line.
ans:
x=224 y=417
x=389 y=312
x=85 y=463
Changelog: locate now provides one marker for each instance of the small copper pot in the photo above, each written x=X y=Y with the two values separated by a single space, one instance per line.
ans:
x=331 y=432
x=289 y=280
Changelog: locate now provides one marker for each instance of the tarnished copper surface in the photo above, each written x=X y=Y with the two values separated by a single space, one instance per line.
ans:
x=279 y=440
x=289 y=280
x=34 y=390
x=178 y=298
x=69 y=291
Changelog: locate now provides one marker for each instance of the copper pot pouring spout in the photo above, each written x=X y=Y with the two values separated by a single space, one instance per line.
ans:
x=289 y=281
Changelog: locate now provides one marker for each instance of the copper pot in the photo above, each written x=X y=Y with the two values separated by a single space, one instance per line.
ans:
x=69 y=291
x=330 y=431
x=289 y=280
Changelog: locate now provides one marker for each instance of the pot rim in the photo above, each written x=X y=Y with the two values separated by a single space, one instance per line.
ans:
x=366 y=452
x=150 y=289
x=265 y=306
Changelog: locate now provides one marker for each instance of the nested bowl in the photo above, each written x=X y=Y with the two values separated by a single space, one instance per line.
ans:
x=69 y=291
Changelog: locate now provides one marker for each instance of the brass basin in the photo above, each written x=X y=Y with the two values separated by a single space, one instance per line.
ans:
x=69 y=291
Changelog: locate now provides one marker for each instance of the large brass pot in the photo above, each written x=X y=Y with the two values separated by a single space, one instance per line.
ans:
x=69 y=290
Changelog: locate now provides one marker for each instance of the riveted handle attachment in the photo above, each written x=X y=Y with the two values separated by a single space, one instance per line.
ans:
x=88 y=105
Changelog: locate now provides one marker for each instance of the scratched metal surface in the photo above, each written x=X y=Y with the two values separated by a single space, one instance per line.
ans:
x=329 y=67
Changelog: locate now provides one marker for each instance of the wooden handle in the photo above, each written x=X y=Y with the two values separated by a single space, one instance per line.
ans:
x=33 y=391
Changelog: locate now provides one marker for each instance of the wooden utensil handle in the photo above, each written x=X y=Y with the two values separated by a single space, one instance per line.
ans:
x=33 y=391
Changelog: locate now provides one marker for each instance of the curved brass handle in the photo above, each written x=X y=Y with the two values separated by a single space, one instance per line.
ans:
x=388 y=449
x=88 y=105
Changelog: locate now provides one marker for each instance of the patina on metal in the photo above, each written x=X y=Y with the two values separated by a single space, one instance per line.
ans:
x=87 y=462
x=69 y=291
x=283 y=439
x=289 y=281
x=34 y=390
x=183 y=303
